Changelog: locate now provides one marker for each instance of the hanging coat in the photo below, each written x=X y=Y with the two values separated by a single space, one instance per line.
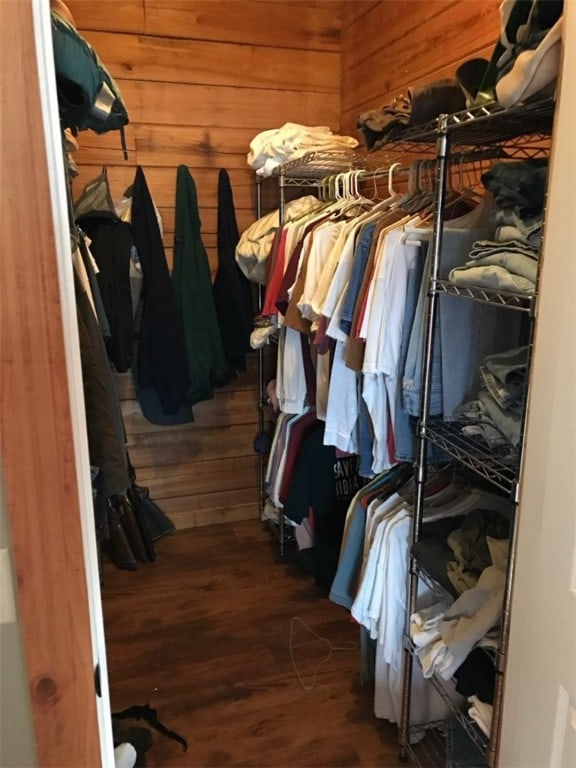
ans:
x=207 y=365
x=111 y=245
x=232 y=290
x=106 y=440
x=160 y=367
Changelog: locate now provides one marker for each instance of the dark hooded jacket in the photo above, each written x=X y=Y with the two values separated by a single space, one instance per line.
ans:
x=161 y=367
x=232 y=290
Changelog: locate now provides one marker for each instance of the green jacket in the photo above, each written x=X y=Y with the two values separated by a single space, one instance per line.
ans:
x=207 y=363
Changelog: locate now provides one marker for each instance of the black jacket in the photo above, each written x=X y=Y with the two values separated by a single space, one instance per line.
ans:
x=161 y=367
x=232 y=290
x=111 y=246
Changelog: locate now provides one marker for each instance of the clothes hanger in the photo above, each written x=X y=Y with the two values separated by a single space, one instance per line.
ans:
x=394 y=198
x=420 y=197
x=419 y=203
x=354 y=199
x=393 y=167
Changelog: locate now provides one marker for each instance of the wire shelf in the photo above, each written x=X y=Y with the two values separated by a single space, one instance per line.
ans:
x=426 y=747
x=441 y=594
x=316 y=165
x=521 y=132
x=448 y=436
x=493 y=124
x=303 y=181
x=444 y=596
x=476 y=736
x=521 y=303
x=486 y=125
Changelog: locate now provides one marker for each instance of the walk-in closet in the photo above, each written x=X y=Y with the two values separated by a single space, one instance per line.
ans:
x=287 y=407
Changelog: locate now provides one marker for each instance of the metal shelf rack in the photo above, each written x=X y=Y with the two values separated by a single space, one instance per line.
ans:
x=314 y=166
x=439 y=592
x=500 y=471
x=522 y=128
x=474 y=733
x=519 y=302
x=307 y=172
x=426 y=746
x=520 y=132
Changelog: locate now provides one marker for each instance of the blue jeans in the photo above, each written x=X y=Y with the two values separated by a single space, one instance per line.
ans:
x=520 y=185
x=361 y=254
x=465 y=333
x=365 y=436
x=404 y=426
x=413 y=370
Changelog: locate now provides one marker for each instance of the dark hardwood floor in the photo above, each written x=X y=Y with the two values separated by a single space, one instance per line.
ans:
x=203 y=635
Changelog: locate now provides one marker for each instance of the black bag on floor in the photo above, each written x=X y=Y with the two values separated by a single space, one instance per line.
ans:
x=136 y=531
x=141 y=738
x=133 y=523
x=116 y=544
x=129 y=539
x=157 y=524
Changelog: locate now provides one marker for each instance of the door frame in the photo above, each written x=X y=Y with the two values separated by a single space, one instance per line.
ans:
x=43 y=440
x=540 y=683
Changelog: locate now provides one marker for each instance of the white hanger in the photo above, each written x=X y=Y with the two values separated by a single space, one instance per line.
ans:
x=391 y=170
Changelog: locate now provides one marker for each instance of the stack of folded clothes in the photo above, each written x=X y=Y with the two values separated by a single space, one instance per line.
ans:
x=423 y=103
x=445 y=636
x=509 y=263
x=495 y=417
x=270 y=149
x=509 y=266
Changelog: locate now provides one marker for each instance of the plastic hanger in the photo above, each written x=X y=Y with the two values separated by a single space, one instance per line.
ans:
x=393 y=167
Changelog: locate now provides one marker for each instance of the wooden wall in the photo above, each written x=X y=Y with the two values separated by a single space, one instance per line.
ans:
x=201 y=78
x=388 y=45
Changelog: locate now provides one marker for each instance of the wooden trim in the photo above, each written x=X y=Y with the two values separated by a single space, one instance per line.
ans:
x=36 y=433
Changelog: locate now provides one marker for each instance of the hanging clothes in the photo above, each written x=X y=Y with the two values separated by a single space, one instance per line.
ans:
x=111 y=245
x=323 y=482
x=207 y=364
x=161 y=369
x=232 y=292
x=106 y=440
x=87 y=271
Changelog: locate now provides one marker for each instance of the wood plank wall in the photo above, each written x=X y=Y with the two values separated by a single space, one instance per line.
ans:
x=389 y=45
x=201 y=78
